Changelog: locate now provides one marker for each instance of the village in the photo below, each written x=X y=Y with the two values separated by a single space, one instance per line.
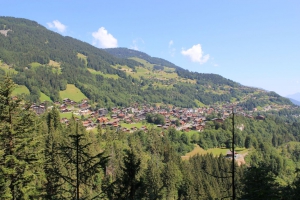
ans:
x=183 y=119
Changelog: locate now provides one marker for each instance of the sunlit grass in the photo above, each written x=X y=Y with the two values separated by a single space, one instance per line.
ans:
x=20 y=89
x=73 y=93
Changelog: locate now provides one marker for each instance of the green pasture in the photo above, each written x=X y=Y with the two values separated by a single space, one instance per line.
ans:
x=7 y=69
x=67 y=115
x=138 y=125
x=82 y=57
x=44 y=97
x=20 y=89
x=215 y=151
x=35 y=64
x=73 y=93
x=199 y=103
x=114 y=76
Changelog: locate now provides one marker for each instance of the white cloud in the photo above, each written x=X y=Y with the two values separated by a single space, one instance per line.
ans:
x=103 y=39
x=196 y=54
x=57 y=25
x=136 y=43
x=172 y=50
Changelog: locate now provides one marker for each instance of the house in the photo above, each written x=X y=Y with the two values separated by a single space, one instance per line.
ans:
x=102 y=111
x=102 y=120
x=229 y=154
x=219 y=120
x=260 y=117
x=198 y=127
x=38 y=109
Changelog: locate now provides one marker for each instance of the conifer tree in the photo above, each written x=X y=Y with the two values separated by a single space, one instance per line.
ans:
x=52 y=164
x=17 y=145
x=129 y=183
x=80 y=163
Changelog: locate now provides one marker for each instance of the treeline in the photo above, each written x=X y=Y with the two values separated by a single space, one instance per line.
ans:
x=129 y=53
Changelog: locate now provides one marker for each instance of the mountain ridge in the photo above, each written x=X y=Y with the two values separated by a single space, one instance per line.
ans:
x=45 y=62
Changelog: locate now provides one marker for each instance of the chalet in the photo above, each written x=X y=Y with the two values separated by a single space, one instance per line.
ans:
x=198 y=127
x=64 y=110
x=102 y=120
x=88 y=124
x=121 y=115
x=260 y=117
x=229 y=154
x=83 y=105
x=219 y=120
x=102 y=111
x=38 y=109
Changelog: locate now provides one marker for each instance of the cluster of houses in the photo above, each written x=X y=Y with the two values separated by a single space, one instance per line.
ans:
x=184 y=119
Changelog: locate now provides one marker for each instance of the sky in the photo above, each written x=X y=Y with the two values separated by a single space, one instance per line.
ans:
x=253 y=42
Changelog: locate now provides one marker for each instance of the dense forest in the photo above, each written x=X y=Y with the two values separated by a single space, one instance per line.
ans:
x=29 y=49
x=44 y=159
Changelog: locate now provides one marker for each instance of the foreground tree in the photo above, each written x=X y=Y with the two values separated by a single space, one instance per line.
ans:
x=259 y=183
x=18 y=145
x=81 y=164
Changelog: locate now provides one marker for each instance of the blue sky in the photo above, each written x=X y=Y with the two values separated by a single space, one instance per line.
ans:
x=253 y=42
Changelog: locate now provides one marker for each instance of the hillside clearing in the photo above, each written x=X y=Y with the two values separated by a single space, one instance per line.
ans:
x=20 y=89
x=214 y=151
x=44 y=97
x=114 y=76
x=73 y=93
x=7 y=69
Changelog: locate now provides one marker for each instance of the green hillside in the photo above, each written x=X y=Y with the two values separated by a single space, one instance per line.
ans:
x=45 y=62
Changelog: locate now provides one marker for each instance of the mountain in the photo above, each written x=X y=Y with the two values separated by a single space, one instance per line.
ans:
x=50 y=66
x=295 y=96
x=295 y=101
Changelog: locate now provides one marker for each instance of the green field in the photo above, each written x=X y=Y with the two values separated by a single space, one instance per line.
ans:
x=138 y=125
x=7 y=69
x=73 y=93
x=55 y=66
x=44 y=97
x=82 y=57
x=20 y=89
x=199 y=103
x=148 y=72
x=114 y=76
x=214 y=151
x=35 y=64
x=66 y=115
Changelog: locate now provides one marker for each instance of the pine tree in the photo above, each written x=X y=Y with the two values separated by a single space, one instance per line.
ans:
x=17 y=145
x=52 y=164
x=153 y=180
x=127 y=184
x=80 y=164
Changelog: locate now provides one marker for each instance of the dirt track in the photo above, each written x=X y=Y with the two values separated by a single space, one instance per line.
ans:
x=240 y=160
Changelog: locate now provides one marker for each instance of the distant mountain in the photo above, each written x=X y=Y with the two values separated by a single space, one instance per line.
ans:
x=48 y=64
x=130 y=53
x=295 y=101
x=295 y=96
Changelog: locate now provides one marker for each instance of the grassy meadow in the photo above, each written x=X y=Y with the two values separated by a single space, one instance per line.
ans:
x=114 y=76
x=73 y=93
x=20 y=89
x=215 y=151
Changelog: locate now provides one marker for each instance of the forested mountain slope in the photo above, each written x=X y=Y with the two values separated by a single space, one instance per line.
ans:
x=45 y=62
